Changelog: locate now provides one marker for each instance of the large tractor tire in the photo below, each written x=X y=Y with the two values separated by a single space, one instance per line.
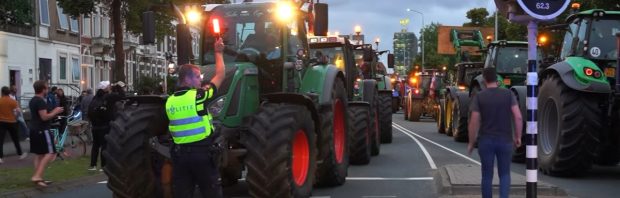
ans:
x=459 y=124
x=609 y=152
x=569 y=126
x=359 y=125
x=441 y=117
x=406 y=108
x=281 y=146
x=385 y=117
x=416 y=110
x=333 y=170
x=375 y=126
x=448 y=111
x=130 y=159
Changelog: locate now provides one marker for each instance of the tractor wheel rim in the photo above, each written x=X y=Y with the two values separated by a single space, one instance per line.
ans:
x=339 y=131
x=550 y=127
x=301 y=157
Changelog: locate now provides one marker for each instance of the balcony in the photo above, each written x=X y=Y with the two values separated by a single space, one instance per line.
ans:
x=101 y=45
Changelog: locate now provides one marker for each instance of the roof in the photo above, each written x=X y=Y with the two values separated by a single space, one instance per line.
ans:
x=591 y=12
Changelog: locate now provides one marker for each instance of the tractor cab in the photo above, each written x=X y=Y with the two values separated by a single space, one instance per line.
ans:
x=509 y=58
x=466 y=72
x=338 y=51
x=589 y=37
x=266 y=35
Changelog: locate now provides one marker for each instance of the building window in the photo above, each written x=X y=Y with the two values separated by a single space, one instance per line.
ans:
x=74 y=25
x=63 y=68
x=62 y=18
x=44 y=12
x=105 y=29
x=97 y=25
x=86 y=27
x=75 y=67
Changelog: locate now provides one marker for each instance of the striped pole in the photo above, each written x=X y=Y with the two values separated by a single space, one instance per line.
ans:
x=532 y=106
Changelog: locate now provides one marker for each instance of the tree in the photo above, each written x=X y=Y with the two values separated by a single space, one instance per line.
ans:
x=431 y=58
x=477 y=16
x=128 y=12
x=16 y=12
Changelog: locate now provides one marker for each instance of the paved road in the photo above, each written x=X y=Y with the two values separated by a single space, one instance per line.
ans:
x=405 y=168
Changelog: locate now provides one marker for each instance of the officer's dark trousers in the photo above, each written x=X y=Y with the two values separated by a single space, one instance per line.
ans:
x=193 y=165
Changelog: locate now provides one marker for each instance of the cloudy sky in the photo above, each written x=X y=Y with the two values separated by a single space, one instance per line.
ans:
x=380 y=18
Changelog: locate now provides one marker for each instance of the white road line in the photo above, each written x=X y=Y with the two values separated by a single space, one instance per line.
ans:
x=379 y=196
x=435 y=143
x=103 y=182
x=389 y=178
x=428 y=155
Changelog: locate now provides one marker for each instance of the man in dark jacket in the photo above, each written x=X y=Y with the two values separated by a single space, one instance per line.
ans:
x=100 y=120
x=490 y=113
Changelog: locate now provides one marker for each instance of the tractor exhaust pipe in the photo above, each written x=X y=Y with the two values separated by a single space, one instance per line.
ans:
x=618 y=63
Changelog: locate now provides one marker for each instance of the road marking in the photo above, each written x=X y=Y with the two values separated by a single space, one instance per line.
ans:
x=379 y=196
x=435 y=143
x=103 y=182
x=428 y=155
x=389 y=178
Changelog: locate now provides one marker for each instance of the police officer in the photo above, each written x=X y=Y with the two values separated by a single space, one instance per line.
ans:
x=190 y=126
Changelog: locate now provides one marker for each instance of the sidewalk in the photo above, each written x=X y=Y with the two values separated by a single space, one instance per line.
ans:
x=463 y=181
x=11 y=159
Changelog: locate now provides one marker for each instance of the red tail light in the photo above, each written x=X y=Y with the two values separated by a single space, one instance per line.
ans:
x=417 y=91
x=588 y=71
x=216 y=26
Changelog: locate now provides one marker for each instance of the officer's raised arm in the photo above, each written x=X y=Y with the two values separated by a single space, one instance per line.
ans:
x=219 y=63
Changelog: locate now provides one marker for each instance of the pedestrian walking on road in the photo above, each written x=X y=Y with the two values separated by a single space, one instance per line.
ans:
x=491 y=111
x=194 y=153
x=99 y=117
x=41 y=137
x=8 y=122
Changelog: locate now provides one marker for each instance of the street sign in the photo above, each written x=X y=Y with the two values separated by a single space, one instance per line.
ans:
x=544 y=9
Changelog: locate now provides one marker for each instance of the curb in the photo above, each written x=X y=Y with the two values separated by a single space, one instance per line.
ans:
x=447 y=189
x=56 y=187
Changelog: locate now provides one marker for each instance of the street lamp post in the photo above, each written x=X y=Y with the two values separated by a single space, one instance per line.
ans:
x=422 y=34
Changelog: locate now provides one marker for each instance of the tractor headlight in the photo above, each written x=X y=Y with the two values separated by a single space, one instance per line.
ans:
x=216 y=106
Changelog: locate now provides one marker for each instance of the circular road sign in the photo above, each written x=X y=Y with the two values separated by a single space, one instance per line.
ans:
x=544 y=9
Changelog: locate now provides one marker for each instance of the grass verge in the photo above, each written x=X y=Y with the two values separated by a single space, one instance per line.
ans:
x=12 y=179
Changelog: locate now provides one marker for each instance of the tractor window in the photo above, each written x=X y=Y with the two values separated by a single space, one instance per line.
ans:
x=602 y=32
x=248 y=33
x=511 y=60
x=489 y=59
x=567 y=44
x=583 y=29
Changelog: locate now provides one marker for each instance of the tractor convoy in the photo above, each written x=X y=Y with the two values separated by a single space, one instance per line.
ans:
x=292 y=113
x=298 y=106
x=578 y=101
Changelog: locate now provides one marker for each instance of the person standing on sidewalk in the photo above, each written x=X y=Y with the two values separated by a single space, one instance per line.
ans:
x=100 y=120
x=20 y=116
x=8 y=122
x=41 y=137
x=490 y=113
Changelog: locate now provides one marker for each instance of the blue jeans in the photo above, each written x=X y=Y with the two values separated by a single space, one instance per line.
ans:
x=489 y=148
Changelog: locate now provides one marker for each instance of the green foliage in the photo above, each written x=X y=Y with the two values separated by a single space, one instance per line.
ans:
x=16 y=12
x=148 y=85
x=477 y=16
x=432 y=59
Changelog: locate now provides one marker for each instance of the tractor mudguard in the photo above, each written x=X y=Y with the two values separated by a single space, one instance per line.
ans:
x=308 y=100
x=383 y=83
x=463 y=98
x=571 y=72
x=521 y=95
x=320 y=79
x=369 y=88
x=479 y=81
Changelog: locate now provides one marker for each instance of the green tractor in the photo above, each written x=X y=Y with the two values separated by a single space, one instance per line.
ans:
x=280 y=118
x=423 y=95
x=509 y=58
x=454 y=106
x=367 y=59
x=578 y=110
x=364 y=136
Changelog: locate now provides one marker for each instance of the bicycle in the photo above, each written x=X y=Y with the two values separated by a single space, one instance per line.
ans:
x=76 y=127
